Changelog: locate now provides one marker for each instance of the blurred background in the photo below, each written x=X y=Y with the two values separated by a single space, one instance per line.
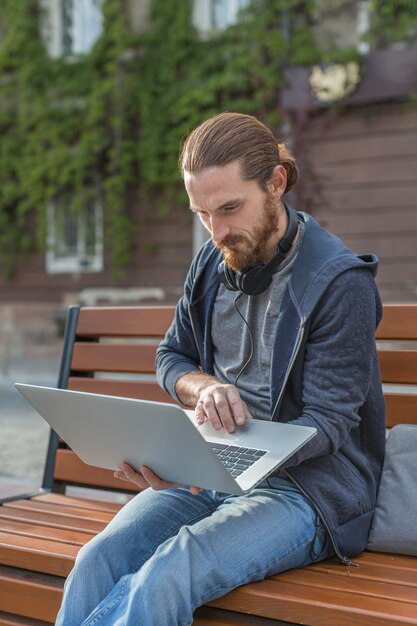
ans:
x=95 y=98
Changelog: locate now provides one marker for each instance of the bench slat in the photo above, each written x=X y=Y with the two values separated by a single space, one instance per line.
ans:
x=124 y=321
x=34 y=595
x=205 y=616
x=106 y=357
x=362 y=585
x=399 y=322
x=84 y=503
x=380 y=571
x=69 y=468
x=400 y=409
x=39 y=555
x=208 y=616
x=47 y=519
x=394 y=561
x=398 y=366
x=147 y=390
x=54 y=509
x=62 y=535
x=6 y=619
x=316 y=605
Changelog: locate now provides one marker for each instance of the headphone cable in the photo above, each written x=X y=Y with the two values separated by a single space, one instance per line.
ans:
x=250 y=336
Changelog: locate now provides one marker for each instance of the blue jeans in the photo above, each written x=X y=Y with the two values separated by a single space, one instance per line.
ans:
x=168 y=552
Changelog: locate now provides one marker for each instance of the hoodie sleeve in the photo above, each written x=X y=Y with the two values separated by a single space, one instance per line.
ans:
x=339 y=359
x=178 y=352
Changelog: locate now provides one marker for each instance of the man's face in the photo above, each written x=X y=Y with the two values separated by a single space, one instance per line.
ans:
x=243 y=220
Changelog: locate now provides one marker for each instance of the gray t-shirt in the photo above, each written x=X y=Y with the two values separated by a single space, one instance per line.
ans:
x=242 y=352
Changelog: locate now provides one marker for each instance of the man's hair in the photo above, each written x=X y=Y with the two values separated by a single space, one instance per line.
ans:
x=229 y=137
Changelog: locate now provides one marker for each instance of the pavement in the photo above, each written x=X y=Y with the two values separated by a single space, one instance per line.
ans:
x=24 y=435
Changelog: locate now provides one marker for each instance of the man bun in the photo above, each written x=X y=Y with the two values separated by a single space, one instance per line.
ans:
x=288 y=161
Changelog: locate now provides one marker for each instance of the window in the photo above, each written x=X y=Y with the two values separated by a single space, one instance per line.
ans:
x=71 y=27
x=219 y=14
x=363 y=18
x=75 y=238
x=342 y=24
x=216 y=14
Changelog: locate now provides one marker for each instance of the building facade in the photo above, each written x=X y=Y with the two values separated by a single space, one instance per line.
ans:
x=354 y=132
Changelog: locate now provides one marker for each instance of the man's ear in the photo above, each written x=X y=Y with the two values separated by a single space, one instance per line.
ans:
x=278 y=181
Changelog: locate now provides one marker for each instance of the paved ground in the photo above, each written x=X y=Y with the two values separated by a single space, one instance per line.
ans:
x=24 y=436
x=23 y=433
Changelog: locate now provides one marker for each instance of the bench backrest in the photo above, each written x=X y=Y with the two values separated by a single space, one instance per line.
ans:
x=111 y=350
x=397 y=351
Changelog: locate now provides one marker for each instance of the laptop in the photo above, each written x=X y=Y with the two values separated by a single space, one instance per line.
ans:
x=105 y=431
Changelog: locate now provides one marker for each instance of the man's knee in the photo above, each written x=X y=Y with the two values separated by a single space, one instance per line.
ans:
x=89 y=553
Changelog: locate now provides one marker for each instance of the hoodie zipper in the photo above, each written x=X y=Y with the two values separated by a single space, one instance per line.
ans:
x=344 y=559
x=290 y=364
x=190 y=315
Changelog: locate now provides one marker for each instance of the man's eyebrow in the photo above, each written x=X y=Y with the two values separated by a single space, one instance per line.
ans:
x=225 y=205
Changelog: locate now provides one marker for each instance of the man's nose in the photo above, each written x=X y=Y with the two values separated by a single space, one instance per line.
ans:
x=219 y=230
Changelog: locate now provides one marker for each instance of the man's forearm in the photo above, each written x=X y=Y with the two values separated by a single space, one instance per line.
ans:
x=189 y=387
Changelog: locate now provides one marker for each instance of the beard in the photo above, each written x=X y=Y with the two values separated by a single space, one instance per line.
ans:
x=249 y=252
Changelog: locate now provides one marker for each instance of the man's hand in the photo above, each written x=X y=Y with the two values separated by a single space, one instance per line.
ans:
x=220 y=403
x=146 y=478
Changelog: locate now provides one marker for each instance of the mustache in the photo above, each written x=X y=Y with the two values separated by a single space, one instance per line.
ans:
x=230 y=240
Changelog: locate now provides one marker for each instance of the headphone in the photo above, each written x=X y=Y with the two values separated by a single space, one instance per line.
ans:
x=256 y=278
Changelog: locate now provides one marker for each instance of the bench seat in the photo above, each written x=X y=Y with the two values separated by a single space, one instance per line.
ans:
x=40 y=536
x=44 y=541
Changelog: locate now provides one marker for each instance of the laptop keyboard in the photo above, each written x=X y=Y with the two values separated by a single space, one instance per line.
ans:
x=235 y=458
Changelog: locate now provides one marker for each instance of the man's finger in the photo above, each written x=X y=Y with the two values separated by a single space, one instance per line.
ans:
x=248 y=415
x=224 y=410
x=126 y=472
x=237 y=405
x=154 y=481
x=210 y=410
x=200 y=414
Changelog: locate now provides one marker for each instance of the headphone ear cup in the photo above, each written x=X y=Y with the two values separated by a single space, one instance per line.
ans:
x=227 y=277
x=254 y=280
x=251 y=281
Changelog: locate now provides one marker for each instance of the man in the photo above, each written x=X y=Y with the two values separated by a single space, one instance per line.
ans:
x=277 y=322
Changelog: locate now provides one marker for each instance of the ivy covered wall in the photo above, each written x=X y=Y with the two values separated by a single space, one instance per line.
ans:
x=112 y=120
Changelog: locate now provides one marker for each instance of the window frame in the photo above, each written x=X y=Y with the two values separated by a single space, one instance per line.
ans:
x=82 y=38
x=80 y=261
x=204 y=13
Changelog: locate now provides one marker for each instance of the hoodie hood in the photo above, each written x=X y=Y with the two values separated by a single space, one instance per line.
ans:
x=317 y=266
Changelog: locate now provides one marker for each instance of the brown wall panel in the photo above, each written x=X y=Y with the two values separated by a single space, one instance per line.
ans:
x=383 y=198
x=370 y=173
x=393 y=143
x=401 y=220
x=364 y=120
x=363 y=162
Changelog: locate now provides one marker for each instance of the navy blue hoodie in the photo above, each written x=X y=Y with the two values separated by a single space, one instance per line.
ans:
x=324 y=373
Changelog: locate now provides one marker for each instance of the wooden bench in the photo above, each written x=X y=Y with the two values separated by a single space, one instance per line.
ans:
x=111 y=351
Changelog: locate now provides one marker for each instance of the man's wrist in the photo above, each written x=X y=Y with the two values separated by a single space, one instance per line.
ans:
x=190 y=385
